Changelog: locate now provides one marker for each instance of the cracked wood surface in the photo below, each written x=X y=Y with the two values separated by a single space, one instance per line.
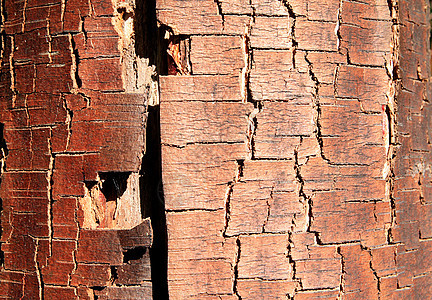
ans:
x=329 y=199
x=296 y=158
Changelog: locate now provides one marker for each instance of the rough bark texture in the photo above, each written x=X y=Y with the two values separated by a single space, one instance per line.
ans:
x=294 y=137
x=73 y=121
x=308 y=175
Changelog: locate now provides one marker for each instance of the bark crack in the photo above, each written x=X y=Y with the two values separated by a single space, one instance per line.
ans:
x=236 y=271
x=31 y=148
x=23 y=287
x=75 y=251
x=290 y=258
x=62 y=13
x=391 y=139
x=317 y=107
x=228 y=195
x=50 y=183
x=251 y=129
x=293 y=16
x=268 y=211
x=68 y=121
x=3 y=156
x=3 y=20
x=27 y=111
x=38 y=271
x=343 y=274
x=12 y=72
x=49 y=39
x=338 y=25
x=220 y=12
x=76 y=81
x=247 y=54
x=24 y=15
x=375 y=274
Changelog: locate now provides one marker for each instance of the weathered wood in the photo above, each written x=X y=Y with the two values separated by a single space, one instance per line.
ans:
x=367 y=287
x=262 y=289
x=319 y=168
x=226 y=56
x=200 y=88
x=271 y=32
x=316 y=35
x=63 y=135
x=321 y=269
x=214 y=256
x=273 y=77
x=224 y=122
x=177 y=15
x=184 y=190
x=264 y=256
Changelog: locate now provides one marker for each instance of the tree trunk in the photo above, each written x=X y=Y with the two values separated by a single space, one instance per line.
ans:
x=227 y=149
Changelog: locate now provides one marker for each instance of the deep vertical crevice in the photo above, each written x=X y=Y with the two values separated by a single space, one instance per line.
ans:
x=307 y=201
x=149 y=44
x=162 y=59
x=153 y=203
x=3 y=149
x=375 y=274
x=338 y=26
x=220 y=12
x=3 y=154
x=178 y=59
x=248 y=59
x=114 y=274
x=146 y=30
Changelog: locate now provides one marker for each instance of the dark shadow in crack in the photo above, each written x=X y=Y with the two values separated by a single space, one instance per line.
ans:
x=153 y=204
x=3 y=154
x=150 y=43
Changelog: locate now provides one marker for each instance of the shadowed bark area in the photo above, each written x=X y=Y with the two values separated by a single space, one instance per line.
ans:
x=152 y=184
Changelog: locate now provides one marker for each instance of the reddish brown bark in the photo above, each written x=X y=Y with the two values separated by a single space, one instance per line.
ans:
x=74 y=132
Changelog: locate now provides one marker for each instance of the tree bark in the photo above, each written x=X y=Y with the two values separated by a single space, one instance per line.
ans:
x=228 y=149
